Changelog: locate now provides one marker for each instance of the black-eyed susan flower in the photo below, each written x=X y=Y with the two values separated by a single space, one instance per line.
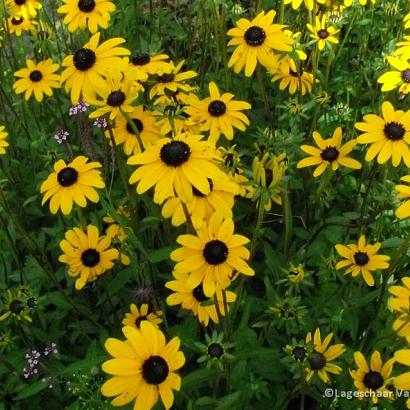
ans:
x=323 y=32
x=174 y=166
x=24 y=8
x=362 y=259
x=319 y=360
x=212 y=255
x=403 y=192
x=87 y=254
x=215 y=351
x=15 y=306
x=403 y=48
x=3 y=142
x=143 y=367
x=172 y=80
x=37 y=79
x=255 y=41
x=72 y=182
x=220 y=198
x=194 y=299
x=87 y=67
x=115 y=94
x=398 y=78
x=329 y=152
x=148 y=130
x=151 y=65
x=374 y=378
x=136 y=316
x=402 y=381
x=91 y=14
x=388 y=135
x=400 y=303
x=218 y=113
x=292 y=76
x=18 y=24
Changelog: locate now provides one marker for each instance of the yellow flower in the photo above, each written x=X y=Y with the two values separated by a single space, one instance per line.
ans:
x=362 y=259
x=42 y=31
x=319 y=360
x=143 y=367
x=255 y=41
x=137 y=316
x=403 y=48
x=402 y=382
x=308 y=3
x=3 y=142
x=73 y=182
x=322 y=32
x=17 y=24
x=91 y=14
x=403 y=211
x=348 y=3
x=406 y=21
x=23 y=8
x=399 y=78
x=296 y=273
x=400 y=303
x=37 y=79
x=212 y=255
x=389 y=135
x=87 y=67
x=374 y=378
x=330 y=152
x=151 y=65
x=87 y=254
x=16 y=307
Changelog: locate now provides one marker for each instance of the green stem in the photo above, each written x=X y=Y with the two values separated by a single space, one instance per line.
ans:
x=262 y=87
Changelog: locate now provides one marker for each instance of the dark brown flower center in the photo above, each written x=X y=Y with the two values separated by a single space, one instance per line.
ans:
x=394 y=131
x=322 y=34
x=43 y=35
x=116 y=98
x=198 y=294
x=19 y=2
x=405 y=75
x=175 y=153
x=141 y=59
x=36 y=76
x=217 y=108
x=138 y=320
x=86 y=6
x=166 y=78
x=329 y=154
x=67 y=176
x=90 y=258
x=299 y=353
x=84 y=59
x=215 y=350
x=155 y=370
x=255 y=36
x=361 y=258
x=215 y=252
x=373 y=380
x=16 y=307
x=17 y=21
x=317 y=361
x=198 y=193
x=138 y=125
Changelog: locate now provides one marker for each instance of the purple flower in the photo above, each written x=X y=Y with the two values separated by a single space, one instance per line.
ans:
x=100 y=122
x=78 y=108
x=61 y=136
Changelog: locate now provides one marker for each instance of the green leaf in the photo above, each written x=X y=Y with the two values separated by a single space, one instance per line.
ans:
x=31 y=390
x=159 y=255
x=196 y=379
x=225 y=403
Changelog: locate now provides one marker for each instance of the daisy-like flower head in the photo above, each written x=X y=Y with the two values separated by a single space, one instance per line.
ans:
x=137 y=316
x=148 y=130
x=3 y=142
x=403 y=48
x=91 y=14
x=362 y=259
x=151 y=65
x=322 y=32
x=219 y=114
x=172 y=80
x=319 y=360
x=308 y=3
x=23 y=8
x=116 y=94
x=37 y=79
x=402 y=382
x=403 y=192
x=212 y=255
x=400 y=303
x=400 y=77
x=73 y=182
x=255 y=41
x=220 y=198
x=389 y=135
x=292 y=76
x=374 y=378
x=17 y=24
x=329 y=152
x=175 y=166
x=194 y=299
x=115 y=230
x=87 y=67
x=87 y=254
x=14 y=306
x=143 y=367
